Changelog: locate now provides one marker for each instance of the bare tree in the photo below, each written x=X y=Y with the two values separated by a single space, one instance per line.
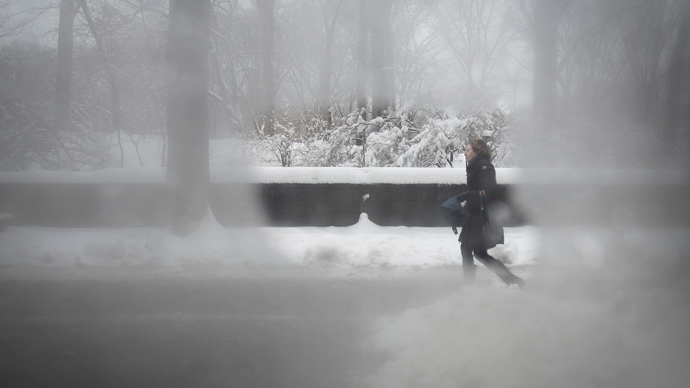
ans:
x=362 y=54
x=330 y=13
x=267 y=18
x=11 y=22
x=188 y=133
x=111 y=73
x=224 y=72
x=417 y=54
x=382 y=96
x=315 y=60
x=63 y=95
x=544 y=18
x=613 y=63
x=477 y=34
x=676 y=75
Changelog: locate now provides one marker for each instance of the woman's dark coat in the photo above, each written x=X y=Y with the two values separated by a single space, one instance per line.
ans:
x=481 y=175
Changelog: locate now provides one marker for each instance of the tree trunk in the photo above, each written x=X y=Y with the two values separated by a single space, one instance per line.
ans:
x=380 y=17
x=188 y=135
x=675 y=76
x=227 y=99
x=325 y=82
x=112 y=76
x=362 y=55
x=327 y=61
x=63 y=81
x=545 y=78
x=390 y=64
x=265 y=8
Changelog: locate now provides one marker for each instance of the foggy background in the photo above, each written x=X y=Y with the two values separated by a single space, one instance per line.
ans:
x=590 y=98
x=579 y=82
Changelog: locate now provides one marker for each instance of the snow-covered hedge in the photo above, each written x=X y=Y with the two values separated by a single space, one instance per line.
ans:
x=396 y=140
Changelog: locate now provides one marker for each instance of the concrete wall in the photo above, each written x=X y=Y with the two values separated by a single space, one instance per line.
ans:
x=632 y=198
x=147 y=204
x=341 y=204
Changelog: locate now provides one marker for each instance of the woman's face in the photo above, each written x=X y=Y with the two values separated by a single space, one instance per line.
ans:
x=469 y=153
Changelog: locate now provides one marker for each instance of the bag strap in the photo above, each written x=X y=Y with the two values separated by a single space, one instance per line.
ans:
x=481 y=202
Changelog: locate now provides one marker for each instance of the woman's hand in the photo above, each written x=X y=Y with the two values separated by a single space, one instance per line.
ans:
x=465 y=196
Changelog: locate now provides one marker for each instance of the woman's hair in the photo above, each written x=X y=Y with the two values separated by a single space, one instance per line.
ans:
x=480 y=147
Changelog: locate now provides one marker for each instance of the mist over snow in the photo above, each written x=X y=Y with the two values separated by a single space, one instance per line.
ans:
x=603 y=306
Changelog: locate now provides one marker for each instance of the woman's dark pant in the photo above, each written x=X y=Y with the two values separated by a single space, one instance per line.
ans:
x=482 y=255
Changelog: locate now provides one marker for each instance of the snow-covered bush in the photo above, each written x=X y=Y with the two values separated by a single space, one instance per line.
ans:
x=309 y=140
x=395 y=140
x=279 y=146
x=384 y=142
x=335 y=144
x=434 y=145
x=441 y=139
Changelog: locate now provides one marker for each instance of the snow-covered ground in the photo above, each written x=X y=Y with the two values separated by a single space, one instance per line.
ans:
x=602 y=307
x=362 y=247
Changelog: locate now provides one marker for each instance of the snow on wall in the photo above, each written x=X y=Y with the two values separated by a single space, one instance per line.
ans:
x=355 y=175
x=308 y=175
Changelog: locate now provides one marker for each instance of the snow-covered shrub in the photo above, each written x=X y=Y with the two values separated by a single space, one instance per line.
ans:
x=279 y=146
x=384 y=142
x=434 y=145
x=334 y=144
x=309 y=140
x=336 y=147
x=441 y=139
x=399 y=139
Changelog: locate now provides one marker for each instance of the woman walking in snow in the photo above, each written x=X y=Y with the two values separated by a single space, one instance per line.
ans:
x=477 y=236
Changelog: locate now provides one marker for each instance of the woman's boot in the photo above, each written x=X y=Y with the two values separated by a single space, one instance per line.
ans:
x=500 y=269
